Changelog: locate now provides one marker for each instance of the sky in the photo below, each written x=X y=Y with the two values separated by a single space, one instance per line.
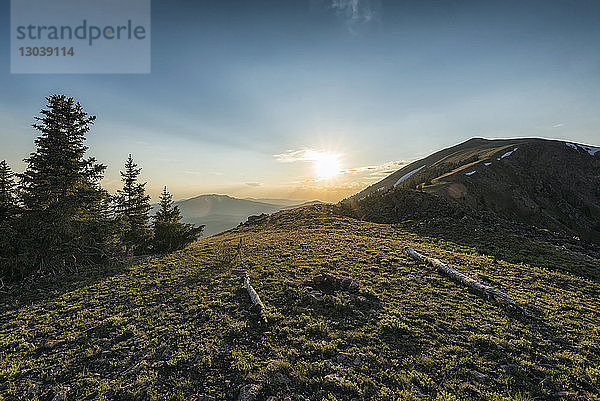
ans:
x=316 y=99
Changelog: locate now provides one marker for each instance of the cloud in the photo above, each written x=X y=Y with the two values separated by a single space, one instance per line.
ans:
x=357 y=14
x=301 y=155
x=254 y=184
x=558 y=125
x=377 y=170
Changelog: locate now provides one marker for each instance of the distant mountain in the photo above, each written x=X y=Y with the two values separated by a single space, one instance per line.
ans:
x=222 y=212
x=276 y=201
x=546 y=183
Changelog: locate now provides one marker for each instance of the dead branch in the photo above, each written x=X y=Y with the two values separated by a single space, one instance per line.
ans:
x=255 y=299
x=481 y=289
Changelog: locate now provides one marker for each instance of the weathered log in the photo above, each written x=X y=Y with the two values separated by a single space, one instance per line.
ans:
x=255 y=299
x=477 y=287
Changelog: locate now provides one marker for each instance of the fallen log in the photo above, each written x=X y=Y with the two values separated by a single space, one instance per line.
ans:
x=477 y=287
x=255 y=299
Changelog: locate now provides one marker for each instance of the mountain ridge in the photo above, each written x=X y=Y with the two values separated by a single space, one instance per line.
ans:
x=546 y=183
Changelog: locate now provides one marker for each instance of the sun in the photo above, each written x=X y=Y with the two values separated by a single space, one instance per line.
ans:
x=327 y=165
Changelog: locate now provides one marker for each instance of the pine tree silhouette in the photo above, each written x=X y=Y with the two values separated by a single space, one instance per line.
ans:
x=169 y=232
x=7 y=192
x=132 y=206
x=63 y=224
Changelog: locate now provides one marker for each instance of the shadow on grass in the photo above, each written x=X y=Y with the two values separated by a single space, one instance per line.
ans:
x=549 y=253
x=53 y=286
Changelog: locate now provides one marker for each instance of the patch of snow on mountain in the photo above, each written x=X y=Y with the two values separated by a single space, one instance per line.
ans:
x=510 y=152
x=571 y=145
x=471 y=173
x=590 y=149
x=408 y=175
x=487 y=164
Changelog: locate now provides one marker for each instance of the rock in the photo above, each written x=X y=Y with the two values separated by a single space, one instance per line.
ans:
x=281 y=378
x=328 y=298
x=333 y=378
x=60 y=396
x=205 y=397
x=272 y=398
x=256 y=218
x=34 y=389
x=249 y=392
x=343 y=357
x=508 y=368
x=335 y=281
x=126 y=335
x=359 y=359
x=478 y=376
x=416 y=391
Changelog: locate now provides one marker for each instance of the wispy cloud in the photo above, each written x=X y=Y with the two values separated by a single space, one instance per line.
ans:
x=254 y=184
x=558 y=125
x=377 y=170
x=301 y=155
x=357 y=14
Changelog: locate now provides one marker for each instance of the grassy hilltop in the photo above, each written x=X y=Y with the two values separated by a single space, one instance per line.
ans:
x=181 y=327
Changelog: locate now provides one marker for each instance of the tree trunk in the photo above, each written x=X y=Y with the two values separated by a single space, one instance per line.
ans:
x=481 y=289
x=255 y=299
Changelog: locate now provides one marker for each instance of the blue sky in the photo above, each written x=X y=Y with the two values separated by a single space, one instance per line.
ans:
x=237 y=84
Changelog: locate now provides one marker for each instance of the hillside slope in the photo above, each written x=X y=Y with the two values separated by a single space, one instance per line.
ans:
x=181 y=327
x=545 y=183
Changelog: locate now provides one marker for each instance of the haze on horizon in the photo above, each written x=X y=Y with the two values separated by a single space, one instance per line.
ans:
x=317 y=99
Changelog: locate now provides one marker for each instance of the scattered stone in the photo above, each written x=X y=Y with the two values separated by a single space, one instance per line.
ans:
x=249 y=392
x=205 y=397
x=358 y=360
x=34 y=389
x=416 y=391
x=60 y=396
x=282 y=379
x=333 y=378
x=334 y=281
x=343 y=357
x=480 y=377
x=256 y=218
x=508 y=368
x=126 y=335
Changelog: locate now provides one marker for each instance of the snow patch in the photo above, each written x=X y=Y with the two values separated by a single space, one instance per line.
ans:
x=408 y=175
x=510 y=152
x=471 y=173
x=590 y=149
x=487 y=164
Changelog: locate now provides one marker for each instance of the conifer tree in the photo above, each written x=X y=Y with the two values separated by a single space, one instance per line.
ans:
x=167 y=212
x=169 y=232
x=132 y=206
x=7 y=192
x=8 y=211
x=62 y=222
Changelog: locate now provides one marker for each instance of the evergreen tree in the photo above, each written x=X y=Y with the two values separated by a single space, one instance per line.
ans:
x=63 y=222
x=132 y=206
x=8 y=210
x=169 y=232
x=7 y=192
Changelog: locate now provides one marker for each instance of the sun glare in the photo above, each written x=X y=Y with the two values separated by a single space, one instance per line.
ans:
x=327 y=165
